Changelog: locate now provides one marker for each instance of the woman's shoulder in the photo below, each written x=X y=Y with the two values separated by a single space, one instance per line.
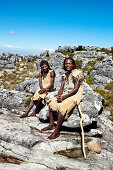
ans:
x=52 y=73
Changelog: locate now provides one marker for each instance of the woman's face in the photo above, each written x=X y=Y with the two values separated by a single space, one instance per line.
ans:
x=68 y=65
x=44 y=68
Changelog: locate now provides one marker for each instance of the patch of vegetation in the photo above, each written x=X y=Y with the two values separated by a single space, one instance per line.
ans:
x=109 y=86
x=18 y=74
x=78 y=64
x=100 y=58
x=109 y=52
x=108 y=96
x=69 y=54
x=104 y=93
x=28 y=100
x=47 y=57
x=104 y=50
x=37 y=76
x=27 y=91
x=89 y=80
x=89 y=66
x=17 y=112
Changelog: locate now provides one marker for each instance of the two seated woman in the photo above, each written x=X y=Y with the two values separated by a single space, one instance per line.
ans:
x=65 y=101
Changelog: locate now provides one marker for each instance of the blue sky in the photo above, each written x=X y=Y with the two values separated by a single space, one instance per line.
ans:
x=31 y=26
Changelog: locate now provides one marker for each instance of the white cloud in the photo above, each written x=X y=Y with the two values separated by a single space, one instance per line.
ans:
x=10 y=46
x=44 y=49
x=24 y=51
x=12 y=32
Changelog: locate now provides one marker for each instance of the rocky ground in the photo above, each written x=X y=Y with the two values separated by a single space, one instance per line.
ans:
x=22 y=144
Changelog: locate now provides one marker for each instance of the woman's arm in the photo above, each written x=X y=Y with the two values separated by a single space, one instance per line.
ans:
x=71 y=93
x=52 y=79
x=60 y=92
x=42 y=89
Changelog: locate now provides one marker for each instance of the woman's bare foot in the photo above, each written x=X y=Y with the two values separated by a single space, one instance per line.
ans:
x=24 y=115
x=50 y=127
x=54 y=135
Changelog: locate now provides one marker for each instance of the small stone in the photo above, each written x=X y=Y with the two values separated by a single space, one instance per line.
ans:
x=94 y=146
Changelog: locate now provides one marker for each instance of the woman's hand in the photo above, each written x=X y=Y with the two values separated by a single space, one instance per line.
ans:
x=60 y=98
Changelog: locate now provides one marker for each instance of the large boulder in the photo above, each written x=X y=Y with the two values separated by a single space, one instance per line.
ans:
x=30 y=85
x=66 y=49
x=12 y=99
x=24 y=146
x=91 y=107
x=102 y=73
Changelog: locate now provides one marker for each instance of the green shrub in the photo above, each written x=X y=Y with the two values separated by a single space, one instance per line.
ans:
x=103 y=93
x=111 y=110
x=17 y=112
x=89 y=70
x=11 y=80
x=106 y=103
x=27 y=90
x=109 y=86
x=89 y=67
x=69 y=54
x=78 y=64
x=110 y=52
x=108 y=96
x=89 y=80
x=28 y=100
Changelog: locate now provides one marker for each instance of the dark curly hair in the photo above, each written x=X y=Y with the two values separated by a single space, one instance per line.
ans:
x=44 y=62
x=73 y=62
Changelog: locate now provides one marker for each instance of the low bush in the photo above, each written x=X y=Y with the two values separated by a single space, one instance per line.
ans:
x=89 y=66
x=108 y=96
x=78 y=64
x=11 y=80
x=28 y=100
x=89 y=80
x=69 y=54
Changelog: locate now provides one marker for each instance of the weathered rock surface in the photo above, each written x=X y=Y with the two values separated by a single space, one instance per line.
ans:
x=91 y=105
x=22 y=139
x=87 y=56
x=22 y=144
x=9 y=60
x=13 y=99
x=78 y=48
x=56 y=62
x=102 y=73
x=30 y=85
x=66 y=49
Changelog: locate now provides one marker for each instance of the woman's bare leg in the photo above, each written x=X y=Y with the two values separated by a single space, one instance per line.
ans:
x=28 y=110
x=56 y=132
x=36 y=103
x=51 y=124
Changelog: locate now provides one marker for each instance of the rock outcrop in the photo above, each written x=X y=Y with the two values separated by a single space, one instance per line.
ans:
x=24 y=146
x=102 y=73
x=9 y=60
x=21 y=139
